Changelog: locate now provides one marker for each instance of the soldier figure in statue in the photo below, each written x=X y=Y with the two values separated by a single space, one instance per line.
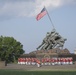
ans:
x=60 y=43
x=51 y=39
x=45 y=42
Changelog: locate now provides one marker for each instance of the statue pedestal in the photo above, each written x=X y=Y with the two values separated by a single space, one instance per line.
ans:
x=50 y=53
x=46 y=55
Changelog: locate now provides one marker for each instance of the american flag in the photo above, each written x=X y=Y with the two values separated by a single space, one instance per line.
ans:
x=41 y=14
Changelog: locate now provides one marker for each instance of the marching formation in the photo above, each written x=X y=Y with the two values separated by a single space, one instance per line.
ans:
x=45 y=61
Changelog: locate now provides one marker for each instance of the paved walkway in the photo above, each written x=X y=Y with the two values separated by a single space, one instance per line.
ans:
x=42 y=68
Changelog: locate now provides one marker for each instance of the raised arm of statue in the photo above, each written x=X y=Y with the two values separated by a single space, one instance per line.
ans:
x=40 y=45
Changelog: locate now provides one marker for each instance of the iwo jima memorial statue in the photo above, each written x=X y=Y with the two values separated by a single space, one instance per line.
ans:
x=53 y=43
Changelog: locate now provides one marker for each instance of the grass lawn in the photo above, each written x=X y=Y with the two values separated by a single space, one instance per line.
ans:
x=20 y=72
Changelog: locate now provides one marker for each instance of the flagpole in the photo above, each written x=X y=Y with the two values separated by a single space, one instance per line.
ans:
x=50 y=18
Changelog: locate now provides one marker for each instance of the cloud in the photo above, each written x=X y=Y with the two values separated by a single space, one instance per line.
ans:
x=15 y=8
x=39 y=4
x=26 y=8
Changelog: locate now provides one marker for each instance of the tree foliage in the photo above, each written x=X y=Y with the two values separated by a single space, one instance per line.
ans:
x=10 y=49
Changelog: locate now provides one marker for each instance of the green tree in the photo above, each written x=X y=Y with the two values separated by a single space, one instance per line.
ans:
x=10 y=49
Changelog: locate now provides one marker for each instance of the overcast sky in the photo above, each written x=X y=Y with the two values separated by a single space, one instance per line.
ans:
x=18 y=20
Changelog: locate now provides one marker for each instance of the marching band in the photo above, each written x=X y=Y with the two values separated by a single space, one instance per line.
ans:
x=45 y=61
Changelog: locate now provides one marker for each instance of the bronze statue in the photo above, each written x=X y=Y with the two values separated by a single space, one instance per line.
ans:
x=51 y=41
